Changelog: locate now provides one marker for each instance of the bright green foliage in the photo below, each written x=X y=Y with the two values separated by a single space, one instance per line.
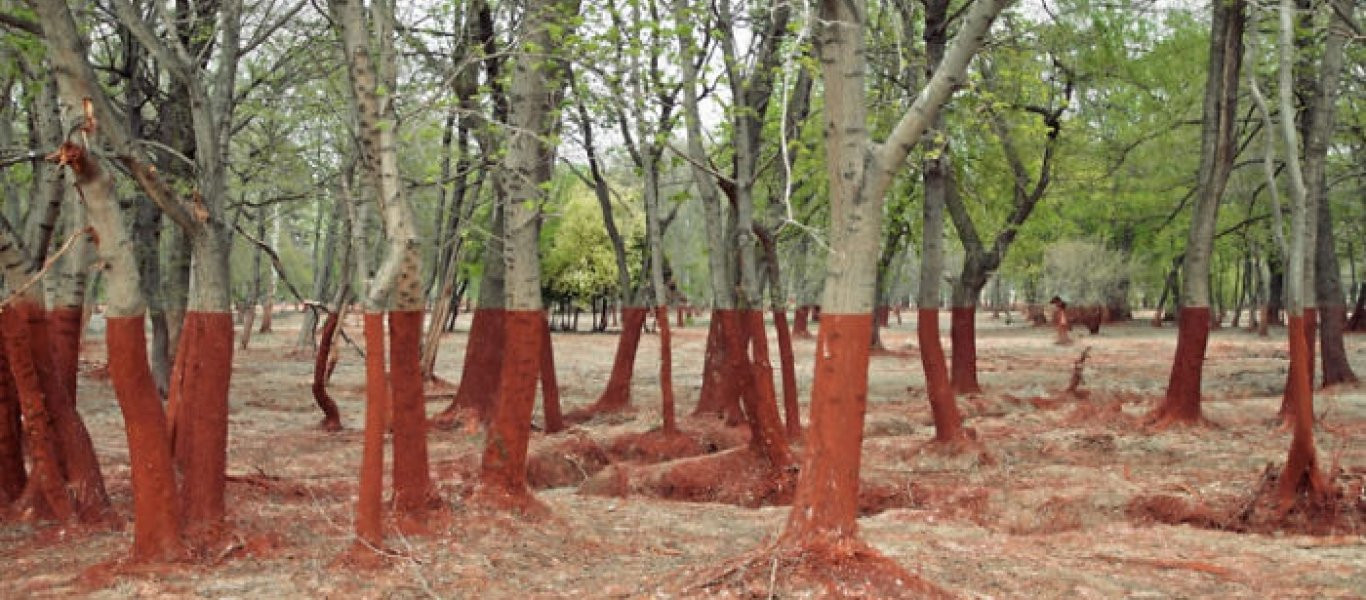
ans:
x=577 y=254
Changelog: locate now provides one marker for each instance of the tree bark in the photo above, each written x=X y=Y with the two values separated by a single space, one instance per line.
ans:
x=157 y=523
x=1181 y=404
x=533 y=95
x=825 y=507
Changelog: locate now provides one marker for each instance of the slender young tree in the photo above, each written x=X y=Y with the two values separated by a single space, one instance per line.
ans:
x=1302 y=471
x=939 y=185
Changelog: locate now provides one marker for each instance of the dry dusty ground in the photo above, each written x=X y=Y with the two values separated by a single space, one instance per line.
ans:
x=1046 y=517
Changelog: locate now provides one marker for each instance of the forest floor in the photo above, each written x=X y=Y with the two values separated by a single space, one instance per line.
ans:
x=1070 y=501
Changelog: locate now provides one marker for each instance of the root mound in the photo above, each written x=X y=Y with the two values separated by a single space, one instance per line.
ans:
x=565 y=462
x=655 y=446
x=844 y=569
x=739 y=476
x=1343 y=512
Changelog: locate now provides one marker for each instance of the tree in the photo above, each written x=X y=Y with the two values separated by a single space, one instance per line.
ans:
x=1181 y=405
x=823 y=514
x=396 y=287
x=156 y=497
x=979 y=260
x=1302 y=471
x=537 y=77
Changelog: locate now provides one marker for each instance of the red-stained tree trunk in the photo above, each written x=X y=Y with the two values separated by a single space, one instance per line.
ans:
x=156 y=504
x=767 y=434
x=1181 y=404
x=799 y=322
x=719 y=395
x=535 y=84
x=963 y=341
x=617 y=395
x=791 y=410
x=948 y=421
x=396 y=287
x=331 y=415
x=13 y=474
x=550 y=383
x=199 y=431
x=479 y=377
x=666 y=392
x=824 y=512
x=502 y=471
x=47 y=495
x=370 y=504
x=414 y=492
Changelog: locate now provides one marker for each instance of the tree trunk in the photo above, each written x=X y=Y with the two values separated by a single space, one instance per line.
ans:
x=939 y=183
x=156 y=523
x=480 y=377
x=1302 y=471
x=397 y=283
x=826 y=503
x=1218 y=147
x=527 y=165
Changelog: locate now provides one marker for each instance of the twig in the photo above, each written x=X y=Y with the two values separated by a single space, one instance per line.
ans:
x=1077 y=368
x=47 y=266
x=315 y=306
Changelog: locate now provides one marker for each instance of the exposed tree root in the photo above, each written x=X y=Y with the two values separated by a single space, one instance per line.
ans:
x=847 y=568
x=1161 y=420
x=1338 y=510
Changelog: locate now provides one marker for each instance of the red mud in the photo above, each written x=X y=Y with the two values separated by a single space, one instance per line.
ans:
x=199 y=388
x=156 y=502
x=1182 y=403
x=483 y=364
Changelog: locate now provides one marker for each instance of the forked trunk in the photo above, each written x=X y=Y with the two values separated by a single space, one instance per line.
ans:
x=1302 y=471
